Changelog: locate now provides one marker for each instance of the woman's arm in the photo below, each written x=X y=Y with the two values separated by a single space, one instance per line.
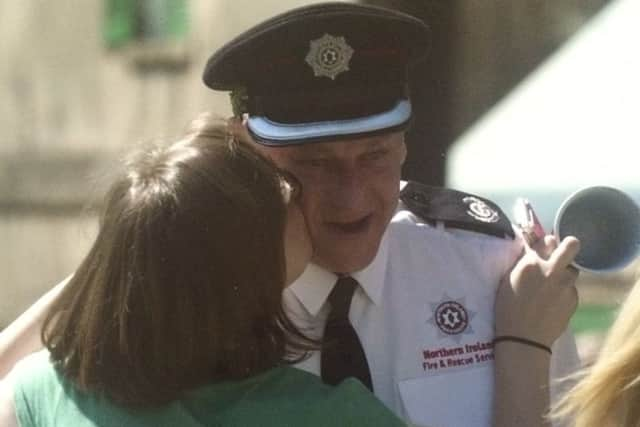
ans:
x=534 y=302
x=8 y=417
x=522 y=385
x=7 y=407
x=22 y=336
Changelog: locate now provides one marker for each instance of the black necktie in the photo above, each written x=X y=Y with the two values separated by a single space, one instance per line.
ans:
x=342 y=353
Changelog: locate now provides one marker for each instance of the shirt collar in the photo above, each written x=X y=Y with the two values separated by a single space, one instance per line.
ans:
x=314 y=285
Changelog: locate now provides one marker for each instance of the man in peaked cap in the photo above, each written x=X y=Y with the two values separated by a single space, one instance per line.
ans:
x=404 y=277
x=320 y=74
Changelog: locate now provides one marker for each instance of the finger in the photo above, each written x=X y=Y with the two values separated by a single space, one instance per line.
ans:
x=573 y=269
x=568 y=275
x=551 y=242
x=565 y=253
x=545 y=246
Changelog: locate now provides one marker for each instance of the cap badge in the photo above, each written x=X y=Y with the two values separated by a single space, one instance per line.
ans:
x=329 y=56
x=479 y=210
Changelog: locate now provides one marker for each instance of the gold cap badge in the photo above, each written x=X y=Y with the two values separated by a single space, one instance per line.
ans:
x=329 y=56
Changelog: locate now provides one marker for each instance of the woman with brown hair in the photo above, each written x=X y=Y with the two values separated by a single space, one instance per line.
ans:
x=174 y=318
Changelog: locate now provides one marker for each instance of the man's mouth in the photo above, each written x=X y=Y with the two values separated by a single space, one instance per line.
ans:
x=351 y=227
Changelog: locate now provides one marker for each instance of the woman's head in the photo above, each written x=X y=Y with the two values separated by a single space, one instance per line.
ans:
x=183 y=284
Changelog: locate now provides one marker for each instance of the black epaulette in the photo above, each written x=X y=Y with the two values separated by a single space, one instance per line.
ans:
x=456 y=209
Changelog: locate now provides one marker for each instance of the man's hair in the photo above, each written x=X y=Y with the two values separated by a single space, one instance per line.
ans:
x=182 y=286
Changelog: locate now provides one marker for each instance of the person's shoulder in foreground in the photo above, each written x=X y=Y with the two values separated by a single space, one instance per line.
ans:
x=284 y=396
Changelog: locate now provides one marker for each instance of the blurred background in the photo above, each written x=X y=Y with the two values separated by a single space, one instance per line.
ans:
x=533 y=98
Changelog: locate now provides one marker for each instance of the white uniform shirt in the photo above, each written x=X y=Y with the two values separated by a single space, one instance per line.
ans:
x=425 y=316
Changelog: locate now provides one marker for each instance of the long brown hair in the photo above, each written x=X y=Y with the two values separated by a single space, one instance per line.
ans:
x=183 y=284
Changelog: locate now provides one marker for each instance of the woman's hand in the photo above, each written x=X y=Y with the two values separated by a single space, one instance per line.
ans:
x=535 y=301
x=538 y=297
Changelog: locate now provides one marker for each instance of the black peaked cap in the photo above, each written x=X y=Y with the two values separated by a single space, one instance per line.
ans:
x=318 y=63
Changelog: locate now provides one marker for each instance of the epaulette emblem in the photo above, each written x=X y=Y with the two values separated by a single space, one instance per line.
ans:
x=456 y=209
x=479 y=210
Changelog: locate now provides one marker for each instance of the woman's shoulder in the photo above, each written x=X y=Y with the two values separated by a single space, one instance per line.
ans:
x=34 y=370
x=35 y=384
x=347 y=404
x=39 y=359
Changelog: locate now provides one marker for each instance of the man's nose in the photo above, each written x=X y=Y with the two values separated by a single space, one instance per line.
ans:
x=348 y=188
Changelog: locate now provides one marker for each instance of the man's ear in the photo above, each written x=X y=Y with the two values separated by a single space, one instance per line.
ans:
x=237 y=127
x=404 y=151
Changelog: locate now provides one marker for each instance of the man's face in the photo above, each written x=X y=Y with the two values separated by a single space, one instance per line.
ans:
x=349 y=193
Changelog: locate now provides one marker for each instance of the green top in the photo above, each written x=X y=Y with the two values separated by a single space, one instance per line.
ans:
x=282 y=397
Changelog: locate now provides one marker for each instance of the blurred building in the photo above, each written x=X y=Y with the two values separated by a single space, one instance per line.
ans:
x=480 y=51
x=571 y=123
x=80 y=81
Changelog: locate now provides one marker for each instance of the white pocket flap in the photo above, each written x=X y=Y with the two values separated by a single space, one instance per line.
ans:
x=456 y=399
